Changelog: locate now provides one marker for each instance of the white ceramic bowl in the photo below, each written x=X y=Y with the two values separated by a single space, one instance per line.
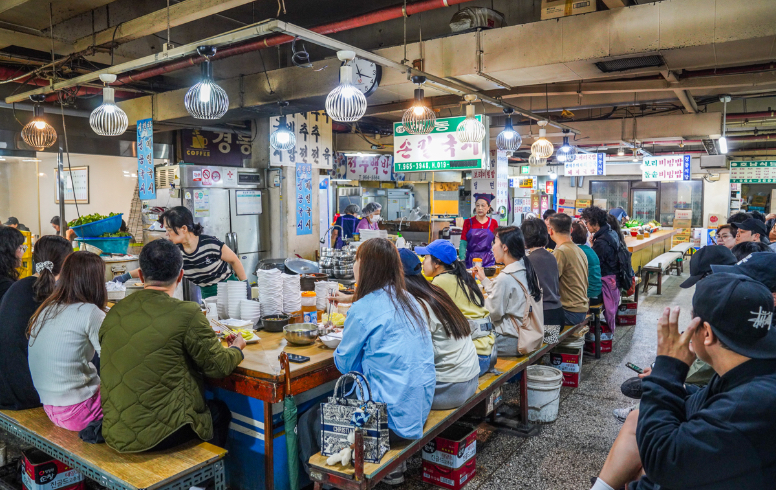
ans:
x=332 y=340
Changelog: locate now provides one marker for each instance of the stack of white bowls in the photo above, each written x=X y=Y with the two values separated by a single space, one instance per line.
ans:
x=250 y=310
x=270 y=285
x=237 y=292
x=324 y=289
x=292 y=293
x=222 y=301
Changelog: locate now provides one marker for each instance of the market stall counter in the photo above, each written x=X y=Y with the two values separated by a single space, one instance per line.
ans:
x=647 y=248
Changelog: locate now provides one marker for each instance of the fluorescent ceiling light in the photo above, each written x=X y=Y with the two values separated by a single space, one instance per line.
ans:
x=341 y=180
x=723 y=145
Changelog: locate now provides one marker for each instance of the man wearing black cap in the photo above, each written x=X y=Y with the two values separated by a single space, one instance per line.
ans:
x=751 y=230
x=759 y=266
x=14 y=223
x=722 y=436
x=704 y=259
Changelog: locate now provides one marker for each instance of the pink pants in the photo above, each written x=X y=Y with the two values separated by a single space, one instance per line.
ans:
x=76 y=417
x=611 y=294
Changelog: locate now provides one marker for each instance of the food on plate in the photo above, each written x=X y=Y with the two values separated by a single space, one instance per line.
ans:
x=337 y=319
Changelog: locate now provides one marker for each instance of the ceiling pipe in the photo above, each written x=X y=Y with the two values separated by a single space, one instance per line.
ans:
x=752 y=115
x=382 y=15
x=8 y=73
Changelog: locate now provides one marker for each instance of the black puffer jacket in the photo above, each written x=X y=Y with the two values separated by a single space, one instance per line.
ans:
x=605 y=244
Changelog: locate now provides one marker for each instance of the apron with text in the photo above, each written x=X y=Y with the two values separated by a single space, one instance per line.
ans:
x=479 y=243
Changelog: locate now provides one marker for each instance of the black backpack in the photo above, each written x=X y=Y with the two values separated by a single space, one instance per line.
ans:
x=625 y=272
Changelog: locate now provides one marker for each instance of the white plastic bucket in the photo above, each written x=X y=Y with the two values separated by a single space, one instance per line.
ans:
x=544 y=385
x=573 y=342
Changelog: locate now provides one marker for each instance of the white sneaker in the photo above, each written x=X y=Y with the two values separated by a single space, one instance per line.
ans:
x=622 y=413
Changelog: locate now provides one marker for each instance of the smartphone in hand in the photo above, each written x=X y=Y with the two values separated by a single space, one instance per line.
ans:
x=634 y=367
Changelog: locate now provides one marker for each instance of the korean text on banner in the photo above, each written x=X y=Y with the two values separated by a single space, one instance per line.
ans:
x=365 y=167
x=437 y=151
x=502 y=186
x=304 y=199
x=483 y=182
x=215 y=148
x=146 y=178
x=668 y=167
x=753 y=172
x=314 y=144
x=586 y=164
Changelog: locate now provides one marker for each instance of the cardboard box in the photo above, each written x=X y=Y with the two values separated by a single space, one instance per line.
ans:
x=600 y=203
x=683 y=214
x=627 y=309
x=571 y=203
x=446 y=478
x=569 y=361
x=453 y=447
x=567 y=210
x=682 y=223
x=584 y=203
x=715 y=220
x=553 y=9
x=42 y=472
x=759 y=200
x=578 y=211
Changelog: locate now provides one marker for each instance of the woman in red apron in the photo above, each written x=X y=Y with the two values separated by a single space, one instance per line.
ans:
x=478 y=233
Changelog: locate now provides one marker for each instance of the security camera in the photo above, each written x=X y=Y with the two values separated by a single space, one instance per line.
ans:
x=711 y=177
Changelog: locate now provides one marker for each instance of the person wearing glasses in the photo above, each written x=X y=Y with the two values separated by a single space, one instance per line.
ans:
x=12 y=249
x=726 y=236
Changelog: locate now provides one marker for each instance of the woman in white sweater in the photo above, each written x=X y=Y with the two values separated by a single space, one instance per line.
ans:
x=63 y=338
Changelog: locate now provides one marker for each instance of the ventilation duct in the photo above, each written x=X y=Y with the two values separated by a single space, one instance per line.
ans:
x=625 y=64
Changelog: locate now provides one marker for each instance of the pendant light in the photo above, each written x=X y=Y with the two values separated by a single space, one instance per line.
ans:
x=723 y=141
x=38 y=133
x=108 y=119
x=282 y=138
x=206 y=100
x=621 y=152
x=346 y=103
x=566 y=153
x=419 y=119
x=542 y=148
x=535 y=161
x=508 y=139
x=470 y=130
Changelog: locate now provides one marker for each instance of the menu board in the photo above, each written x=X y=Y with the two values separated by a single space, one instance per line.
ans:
x=753 y=172
x=437 y=151
x=667 y=167
x=76 y=185
x=586 y=164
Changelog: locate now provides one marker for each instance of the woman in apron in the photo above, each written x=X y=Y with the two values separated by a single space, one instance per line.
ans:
x=348 y=223
x=478 y=234
x=371 y=217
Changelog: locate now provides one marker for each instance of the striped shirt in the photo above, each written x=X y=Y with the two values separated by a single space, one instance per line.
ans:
x=204 y=266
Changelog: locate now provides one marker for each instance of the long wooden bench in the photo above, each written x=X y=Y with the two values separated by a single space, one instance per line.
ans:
x=362 y=476
x=175 y=469
x=665 y=263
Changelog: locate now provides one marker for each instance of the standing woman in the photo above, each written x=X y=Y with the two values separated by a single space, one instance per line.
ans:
x=16 y=309
x=478 y=233
x=12 y=249
x=605 y=245
x=206 y=259
x=64 y=336
x=371 y=217
x=506 y=299
x=347 y=223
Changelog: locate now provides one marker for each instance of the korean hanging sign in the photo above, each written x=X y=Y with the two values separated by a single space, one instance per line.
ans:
x=314 y=144
x=586 y=164
x=667 y=167
x=146 y=178
x=215 y=148
x=439 y=150
x=753 y=172
x=304 y=199
x=369 y=167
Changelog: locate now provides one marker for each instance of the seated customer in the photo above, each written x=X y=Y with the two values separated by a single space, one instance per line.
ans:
x=63 y=341
x=743 y=250
x=441 y=264
x=156 y=353
x=579 y=237
x=12 y=248
x=546 y=267
x=751 y=230
x=572 y=268
x=19 y=304
x=726 y=236
x=457 y=366
x=721 y=436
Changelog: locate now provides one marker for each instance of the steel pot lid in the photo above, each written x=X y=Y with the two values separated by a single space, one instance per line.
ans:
x=301 y=266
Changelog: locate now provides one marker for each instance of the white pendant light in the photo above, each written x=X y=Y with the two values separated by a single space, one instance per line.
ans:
x=282 y=138
x=566 y=153
x=419 y=119
x=346 y=103
x=723 y=148
x=508 y=139
x=621 y=152
x=206 y=100
x=536 y=161
x=108 y=119
x=542 y=148
x=38 y=133
x=470 y=130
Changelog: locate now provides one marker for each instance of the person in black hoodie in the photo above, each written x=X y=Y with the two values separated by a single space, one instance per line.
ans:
x=721 y=436
x=605 y=245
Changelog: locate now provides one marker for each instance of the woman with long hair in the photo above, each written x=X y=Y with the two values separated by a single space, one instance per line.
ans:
x=63 y=339
x=12 y=249
x=506 y=300
x=457 y=366
x=537 y=238
x=17 y=307
x=445 y=270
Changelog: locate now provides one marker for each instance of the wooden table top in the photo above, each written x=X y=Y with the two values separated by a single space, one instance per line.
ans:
x=634 y=244
x=261 y=359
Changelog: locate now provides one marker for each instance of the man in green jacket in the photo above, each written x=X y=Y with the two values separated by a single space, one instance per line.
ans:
x=156 y=353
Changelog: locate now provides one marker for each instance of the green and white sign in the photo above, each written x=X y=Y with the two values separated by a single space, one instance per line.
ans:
x=438 y=151
x=753 y=172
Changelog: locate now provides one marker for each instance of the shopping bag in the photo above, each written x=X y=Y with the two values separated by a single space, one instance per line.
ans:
x=340 y=416
x=530 y=335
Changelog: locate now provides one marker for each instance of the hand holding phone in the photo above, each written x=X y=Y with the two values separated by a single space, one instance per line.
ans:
x=634 y=367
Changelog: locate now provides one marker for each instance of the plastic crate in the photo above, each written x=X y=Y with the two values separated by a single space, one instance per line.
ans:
x=97 y=228
x=111 y=245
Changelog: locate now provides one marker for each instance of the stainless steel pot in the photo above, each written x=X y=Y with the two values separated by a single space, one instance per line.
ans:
x=116 y=266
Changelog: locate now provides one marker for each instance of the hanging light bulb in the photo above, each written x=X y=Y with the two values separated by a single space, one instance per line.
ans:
x=282 y=138
x=108 y=119
x=621 y=152
x=635 y=155
x=346 y=103
x=566 y=153
x=418 y=119
x=206 y=100
x=508 y=139
x=542 y=147
x=536 y=161
x=38 y=133
x=470 y=130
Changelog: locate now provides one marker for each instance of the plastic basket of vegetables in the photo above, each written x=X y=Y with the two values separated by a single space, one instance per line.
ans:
x=95 y=225
x=110 y=243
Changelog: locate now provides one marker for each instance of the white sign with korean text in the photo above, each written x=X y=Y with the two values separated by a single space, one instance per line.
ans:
x=314 y=143
x=666 y=167
x=438 y=151
x=586 y=164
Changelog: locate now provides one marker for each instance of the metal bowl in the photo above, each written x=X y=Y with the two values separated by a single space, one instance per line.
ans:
x=343 y=273
x=301 y=333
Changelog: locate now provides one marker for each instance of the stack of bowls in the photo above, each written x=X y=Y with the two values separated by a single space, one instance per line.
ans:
x=222 y=301
x=250 y=310
x=343 y=263
x=326 y=262
x=237 y=291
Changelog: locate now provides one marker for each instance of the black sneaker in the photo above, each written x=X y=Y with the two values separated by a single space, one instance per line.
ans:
x=632 y=388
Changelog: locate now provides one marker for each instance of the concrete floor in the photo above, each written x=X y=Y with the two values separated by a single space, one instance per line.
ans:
x=568 y=452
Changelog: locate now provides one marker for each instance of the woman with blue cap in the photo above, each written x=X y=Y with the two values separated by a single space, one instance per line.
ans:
x=478 y=233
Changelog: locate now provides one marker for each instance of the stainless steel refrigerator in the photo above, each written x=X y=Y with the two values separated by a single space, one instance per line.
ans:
x=226 y=201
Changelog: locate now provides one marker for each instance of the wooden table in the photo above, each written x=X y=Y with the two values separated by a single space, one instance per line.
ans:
x=260 y=376
x=647 y=249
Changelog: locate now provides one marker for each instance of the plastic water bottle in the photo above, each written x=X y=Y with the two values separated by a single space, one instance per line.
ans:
x=401 y=242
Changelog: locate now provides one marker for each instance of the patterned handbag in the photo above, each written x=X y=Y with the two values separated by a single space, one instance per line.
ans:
x=340 y=416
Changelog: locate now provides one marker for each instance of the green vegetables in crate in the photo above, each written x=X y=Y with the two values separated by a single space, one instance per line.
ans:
x=115 y=235
x=90 y=218
x=633 y=223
